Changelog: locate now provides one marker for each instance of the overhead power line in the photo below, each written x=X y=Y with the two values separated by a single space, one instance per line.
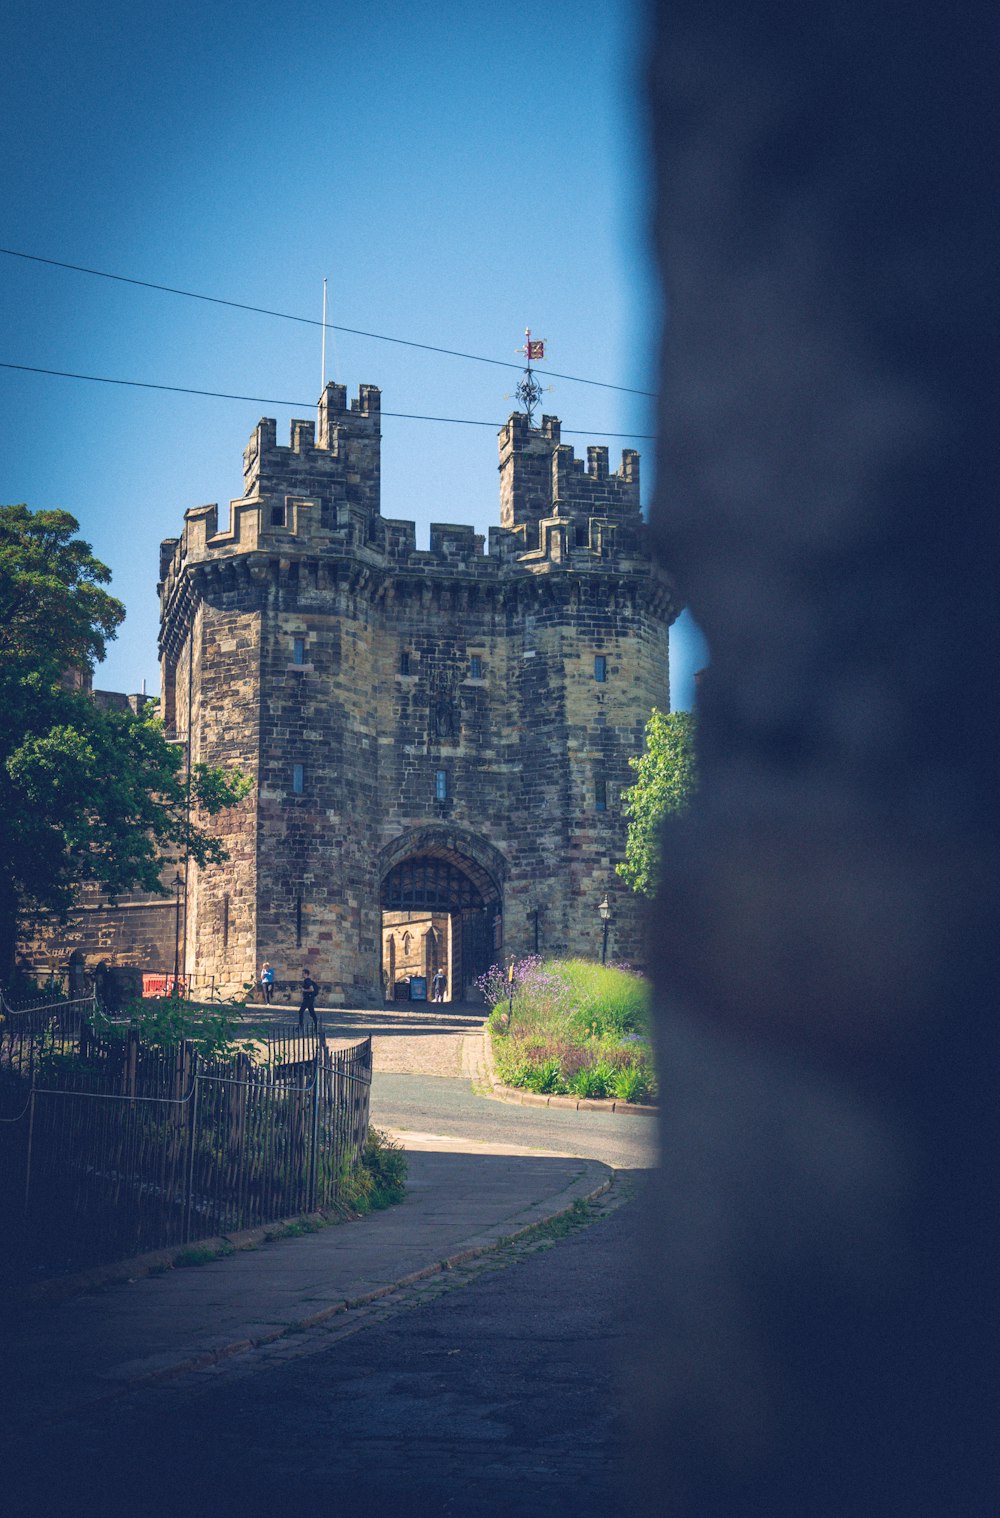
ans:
x=264 y=400
x=310 y=321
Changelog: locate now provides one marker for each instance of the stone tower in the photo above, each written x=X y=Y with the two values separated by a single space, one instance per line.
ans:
x=440 y=737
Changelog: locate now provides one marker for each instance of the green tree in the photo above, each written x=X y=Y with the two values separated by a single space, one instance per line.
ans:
x=85 y=794
x=666 y=779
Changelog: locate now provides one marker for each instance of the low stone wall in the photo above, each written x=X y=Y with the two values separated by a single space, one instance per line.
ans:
x=138 y=931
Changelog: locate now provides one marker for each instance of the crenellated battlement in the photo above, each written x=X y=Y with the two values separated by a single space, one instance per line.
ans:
x=336 y=459
x=538 y=473
x=318 y=496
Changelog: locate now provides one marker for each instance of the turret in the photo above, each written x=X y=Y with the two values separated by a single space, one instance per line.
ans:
x=541 y=479
x=336 y=460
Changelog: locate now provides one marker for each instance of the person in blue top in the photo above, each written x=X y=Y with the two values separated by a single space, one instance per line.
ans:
x=267 y=981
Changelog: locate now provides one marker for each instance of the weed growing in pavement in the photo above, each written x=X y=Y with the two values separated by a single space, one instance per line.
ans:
x=379 y=1180
x=201 y=1255
x=571 y=1027
x=296 y=1229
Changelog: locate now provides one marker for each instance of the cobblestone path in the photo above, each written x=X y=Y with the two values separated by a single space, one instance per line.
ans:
x=431 y=1040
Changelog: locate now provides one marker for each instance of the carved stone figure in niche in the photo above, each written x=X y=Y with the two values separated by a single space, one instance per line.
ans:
x=442 y=714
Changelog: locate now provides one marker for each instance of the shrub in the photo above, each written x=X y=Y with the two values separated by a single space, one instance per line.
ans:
x=606 y=998
x=592 y=997
x=163 y=1022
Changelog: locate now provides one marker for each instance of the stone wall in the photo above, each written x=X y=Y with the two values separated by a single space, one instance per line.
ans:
x=138 y=930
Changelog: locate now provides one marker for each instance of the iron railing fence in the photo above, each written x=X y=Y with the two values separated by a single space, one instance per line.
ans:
x=46 y=998
x=110 y=1147
x=40 y=1029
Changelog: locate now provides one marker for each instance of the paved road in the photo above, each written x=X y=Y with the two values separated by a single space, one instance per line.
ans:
x=430 y=1104
x=503 y=1395
x=499 y=1387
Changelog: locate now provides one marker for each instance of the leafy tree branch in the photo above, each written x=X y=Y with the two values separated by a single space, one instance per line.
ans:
x=666 y=779
x=86 y=794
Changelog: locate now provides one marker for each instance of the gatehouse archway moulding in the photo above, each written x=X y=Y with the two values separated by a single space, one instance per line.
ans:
x=446 y=882
x=469 y=850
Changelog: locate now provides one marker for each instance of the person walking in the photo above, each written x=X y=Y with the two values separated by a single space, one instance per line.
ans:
x=267 y=981
x=309 y=990
x=439 y=985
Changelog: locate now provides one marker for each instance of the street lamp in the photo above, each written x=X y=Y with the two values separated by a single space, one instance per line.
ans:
x=605 y=911
x=178 y=882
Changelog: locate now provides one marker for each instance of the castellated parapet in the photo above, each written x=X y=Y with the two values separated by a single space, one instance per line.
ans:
x=441 y=730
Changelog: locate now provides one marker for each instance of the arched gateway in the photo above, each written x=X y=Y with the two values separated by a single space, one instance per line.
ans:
x=441 y=899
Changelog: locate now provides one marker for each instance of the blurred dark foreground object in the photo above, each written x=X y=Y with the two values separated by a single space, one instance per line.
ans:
x=822 y=1333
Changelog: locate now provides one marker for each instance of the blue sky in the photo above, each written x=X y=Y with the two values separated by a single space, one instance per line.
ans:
x=456 y=172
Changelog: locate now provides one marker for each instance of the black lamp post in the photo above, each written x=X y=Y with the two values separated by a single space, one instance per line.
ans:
x=605 y=911
x=178 y=883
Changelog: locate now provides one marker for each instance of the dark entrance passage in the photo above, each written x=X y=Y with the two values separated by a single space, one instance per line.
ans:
x=439 y=910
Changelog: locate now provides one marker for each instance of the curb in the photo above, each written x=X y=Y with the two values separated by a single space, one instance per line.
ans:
x=536 y=1099
x=213 y=1354
x=124 y=1272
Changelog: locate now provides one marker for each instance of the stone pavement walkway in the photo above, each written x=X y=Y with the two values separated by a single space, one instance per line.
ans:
x=408 y=1038
x=463 y=1199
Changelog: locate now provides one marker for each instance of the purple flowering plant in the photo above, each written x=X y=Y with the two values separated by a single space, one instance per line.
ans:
x=571 y=1027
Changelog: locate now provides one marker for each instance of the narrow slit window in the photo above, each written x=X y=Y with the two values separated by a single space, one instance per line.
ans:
x=476 y=667
x=298 y=650
x=441 y=785
x=600 y=668
x=404 y=662
x=225 y=921
x=601 y=795
x=298 y=779
x=298 y=922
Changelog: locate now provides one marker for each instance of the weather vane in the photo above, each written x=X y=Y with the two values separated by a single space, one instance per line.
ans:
x=528 y=392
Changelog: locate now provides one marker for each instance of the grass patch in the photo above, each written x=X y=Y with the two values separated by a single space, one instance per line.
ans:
x=201 y=1255
x=296 y=1229
x=572 y=1028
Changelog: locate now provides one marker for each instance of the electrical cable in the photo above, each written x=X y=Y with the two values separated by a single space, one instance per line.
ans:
x=264 y=400
x=311 y=321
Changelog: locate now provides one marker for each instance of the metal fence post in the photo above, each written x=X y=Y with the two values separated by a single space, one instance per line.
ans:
x=315 y=1134
x=192 y=1139
x=31 y=1134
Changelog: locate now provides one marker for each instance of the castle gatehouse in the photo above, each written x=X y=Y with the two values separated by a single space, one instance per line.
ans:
x=439 y=735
